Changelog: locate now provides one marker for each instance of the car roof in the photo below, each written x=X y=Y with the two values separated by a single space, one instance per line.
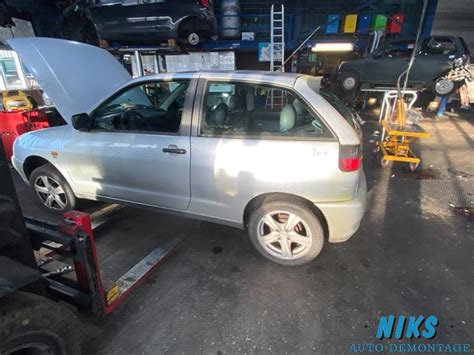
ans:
x=286 y=79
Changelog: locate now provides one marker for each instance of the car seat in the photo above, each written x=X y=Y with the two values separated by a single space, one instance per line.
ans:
x=250 y=101
x=287 y=118
x=218 y=115
x=235 y=103
x=299 y=110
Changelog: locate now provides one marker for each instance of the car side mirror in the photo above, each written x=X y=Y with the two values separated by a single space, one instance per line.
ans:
x=81 y=122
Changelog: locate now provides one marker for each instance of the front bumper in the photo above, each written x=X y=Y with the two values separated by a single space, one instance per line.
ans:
x=343 y=218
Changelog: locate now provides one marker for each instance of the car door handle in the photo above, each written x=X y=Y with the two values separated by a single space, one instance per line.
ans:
x=173 y=149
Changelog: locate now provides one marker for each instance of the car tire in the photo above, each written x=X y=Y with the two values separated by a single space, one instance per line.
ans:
x=350 y=80
x=52 y=190
x=191 y=33
x=443 y=86
x=31 y=323
x=291 y=244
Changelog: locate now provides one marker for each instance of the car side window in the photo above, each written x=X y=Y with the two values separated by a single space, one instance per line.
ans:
x=398 y=50
x=256 y=110
x=148 y=107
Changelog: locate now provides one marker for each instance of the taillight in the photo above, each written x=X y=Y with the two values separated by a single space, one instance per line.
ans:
x=350 y=157
x=205 y=3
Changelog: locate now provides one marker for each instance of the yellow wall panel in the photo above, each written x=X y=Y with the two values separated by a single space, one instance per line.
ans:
x=350 y=23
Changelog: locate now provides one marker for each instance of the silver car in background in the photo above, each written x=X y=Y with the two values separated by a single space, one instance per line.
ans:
x=266 y=152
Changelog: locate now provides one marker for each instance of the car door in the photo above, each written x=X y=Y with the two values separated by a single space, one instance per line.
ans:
x=389 y=62
x=138 y=149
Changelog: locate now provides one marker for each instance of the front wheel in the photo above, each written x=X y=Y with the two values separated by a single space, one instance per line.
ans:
x=443 y=86
x=286 y=232
x=52 y=189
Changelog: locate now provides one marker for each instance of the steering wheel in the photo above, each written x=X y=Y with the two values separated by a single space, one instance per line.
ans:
x=109 y=109
x=132 y=120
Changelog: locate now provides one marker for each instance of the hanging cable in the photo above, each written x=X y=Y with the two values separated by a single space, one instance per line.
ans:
x=406 y=73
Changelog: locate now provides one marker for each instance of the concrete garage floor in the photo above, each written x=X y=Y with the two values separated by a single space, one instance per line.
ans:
x=413 y=255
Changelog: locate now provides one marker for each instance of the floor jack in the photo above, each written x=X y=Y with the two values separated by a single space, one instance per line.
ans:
x=397 y=136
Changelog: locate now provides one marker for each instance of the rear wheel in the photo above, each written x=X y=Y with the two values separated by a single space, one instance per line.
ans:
x=350 y=80
x=193 y=38
x=53 y=191
x=31 y=324
x=287 y=232
x=189 y=32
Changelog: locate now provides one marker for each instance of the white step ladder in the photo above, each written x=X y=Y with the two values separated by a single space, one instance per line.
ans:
x=277 y=39
x=276 y=98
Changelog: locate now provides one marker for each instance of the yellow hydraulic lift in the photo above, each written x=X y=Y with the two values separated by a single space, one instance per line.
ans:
x=396 y=137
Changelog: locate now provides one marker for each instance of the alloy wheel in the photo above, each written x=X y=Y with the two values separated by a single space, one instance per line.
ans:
x=284 y=235
x=50 y=192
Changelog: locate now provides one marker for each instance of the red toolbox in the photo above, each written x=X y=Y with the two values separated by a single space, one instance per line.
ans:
x=15 y=123
x=396 y=23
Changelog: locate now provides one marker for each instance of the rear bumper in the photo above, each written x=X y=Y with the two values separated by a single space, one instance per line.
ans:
x=343 y=218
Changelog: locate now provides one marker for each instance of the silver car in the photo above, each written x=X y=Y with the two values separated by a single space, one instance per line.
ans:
x=266 y=152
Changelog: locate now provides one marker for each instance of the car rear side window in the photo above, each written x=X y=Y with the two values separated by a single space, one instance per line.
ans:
x=257 y=110
x=148 y=107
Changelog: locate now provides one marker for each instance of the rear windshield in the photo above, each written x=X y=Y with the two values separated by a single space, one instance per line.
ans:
x=314 y=84
x=340 y=107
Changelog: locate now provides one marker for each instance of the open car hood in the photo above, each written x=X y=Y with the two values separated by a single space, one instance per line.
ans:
x=75 y=76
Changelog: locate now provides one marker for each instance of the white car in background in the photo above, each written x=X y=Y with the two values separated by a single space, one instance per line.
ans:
x=263 y=151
